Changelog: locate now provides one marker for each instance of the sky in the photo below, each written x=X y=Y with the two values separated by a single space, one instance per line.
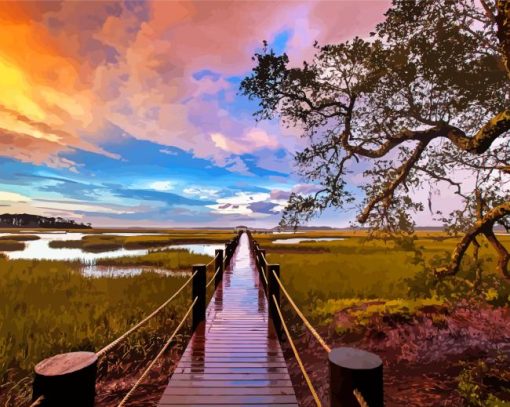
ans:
x=128 y=114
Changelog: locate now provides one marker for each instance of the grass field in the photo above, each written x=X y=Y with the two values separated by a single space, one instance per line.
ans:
x=361 y=268
x=382 y=296
x=48 y=307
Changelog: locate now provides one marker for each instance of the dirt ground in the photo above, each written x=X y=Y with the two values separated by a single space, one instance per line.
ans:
x=422 y=359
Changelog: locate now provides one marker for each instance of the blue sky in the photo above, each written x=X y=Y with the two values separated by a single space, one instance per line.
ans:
x=132 y=115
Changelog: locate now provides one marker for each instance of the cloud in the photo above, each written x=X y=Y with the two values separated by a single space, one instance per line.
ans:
x=162 y=185
x=279 y=194
x=158 y=70
x=201 y=193
x=306 y=189
x=263 y=207
x=254 y=139
x=6 y=196
x=161 y=196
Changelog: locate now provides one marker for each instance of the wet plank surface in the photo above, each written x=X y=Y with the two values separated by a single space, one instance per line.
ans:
x=233 y=359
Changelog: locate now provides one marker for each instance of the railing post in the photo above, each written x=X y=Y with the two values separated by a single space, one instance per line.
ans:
x=198 y=291
x=355 y=369
x=264 y=268
x=218 y=264
x=68 y=379
x=274 y=290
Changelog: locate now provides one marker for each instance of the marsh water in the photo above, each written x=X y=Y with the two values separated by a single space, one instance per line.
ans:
x=40 y=250
x=307 y=239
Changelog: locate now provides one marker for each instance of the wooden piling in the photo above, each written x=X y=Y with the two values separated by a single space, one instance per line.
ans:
x=198 y=291
x=355 y=369
x=68 y=379
x=218 y=264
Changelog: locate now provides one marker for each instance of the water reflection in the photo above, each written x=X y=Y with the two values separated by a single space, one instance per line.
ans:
x=40 y=250
x=311 y=239
x=115 y=271
x=207 y=249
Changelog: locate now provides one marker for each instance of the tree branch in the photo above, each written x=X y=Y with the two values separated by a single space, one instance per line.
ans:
x=388 y=191
x=481 y=226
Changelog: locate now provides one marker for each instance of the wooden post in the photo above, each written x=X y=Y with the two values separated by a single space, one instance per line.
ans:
x=351 y=369
x=274 y=289
x=198 y=290
x=263 y=267
x=67 y=379
x=218 y=264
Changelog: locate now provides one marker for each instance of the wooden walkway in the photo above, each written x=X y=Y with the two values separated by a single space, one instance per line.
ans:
x=233 y=359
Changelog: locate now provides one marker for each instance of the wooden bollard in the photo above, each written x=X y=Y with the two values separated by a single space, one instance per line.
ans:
x=68 y=379
x=263 y=267
x=273 y=289
x=218 y=264
x=198 y=291
x=355 y=369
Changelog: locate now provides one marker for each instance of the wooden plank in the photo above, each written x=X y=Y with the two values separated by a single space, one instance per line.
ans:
x=182 y=400
x=230 y=383
x=231 y=376
x=229 y=391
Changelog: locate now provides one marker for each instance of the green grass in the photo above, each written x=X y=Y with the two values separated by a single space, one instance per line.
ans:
x=369 y=269
x=48 y=307
x=169 y=259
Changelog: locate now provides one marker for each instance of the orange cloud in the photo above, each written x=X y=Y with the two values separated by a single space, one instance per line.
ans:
x=69 y=68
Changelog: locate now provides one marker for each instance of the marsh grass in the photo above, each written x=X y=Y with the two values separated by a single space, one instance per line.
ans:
x=48 y=307
x=360 y=268
x=11 y=245
x=170 y=259
x=20 y=238
x=99 y=243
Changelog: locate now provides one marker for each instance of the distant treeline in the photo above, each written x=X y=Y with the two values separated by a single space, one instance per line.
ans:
x=25 y=220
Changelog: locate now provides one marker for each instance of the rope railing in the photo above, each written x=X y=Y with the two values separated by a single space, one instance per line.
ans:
x=213 y=277
x=143 y=321
x=264 y=275
x=296 y=355
x=212 y=261
x=359 y=398
x=307 y=323
x=163 y=349
x=37 y=402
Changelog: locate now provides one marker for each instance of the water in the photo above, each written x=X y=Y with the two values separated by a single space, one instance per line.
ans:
x=311 y=239
x=133 y=234
x=94 y=271
x=207 y=249
x=40 y=250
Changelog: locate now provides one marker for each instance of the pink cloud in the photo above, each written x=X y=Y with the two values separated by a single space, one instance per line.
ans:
x=132 y=64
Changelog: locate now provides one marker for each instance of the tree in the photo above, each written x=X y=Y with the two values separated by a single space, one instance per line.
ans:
x=424 y=102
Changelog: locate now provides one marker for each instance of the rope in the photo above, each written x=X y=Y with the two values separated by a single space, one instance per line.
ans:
x=37 y=401
x=303 y=318
x=264 y=275
x=146 y=371
x=264 y=258
x=143 y=321
x=359 y=397
x=212 y=261
x=296 y=355
x=213 y=277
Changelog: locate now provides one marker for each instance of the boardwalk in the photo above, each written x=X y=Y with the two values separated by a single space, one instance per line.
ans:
x=233 y=359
